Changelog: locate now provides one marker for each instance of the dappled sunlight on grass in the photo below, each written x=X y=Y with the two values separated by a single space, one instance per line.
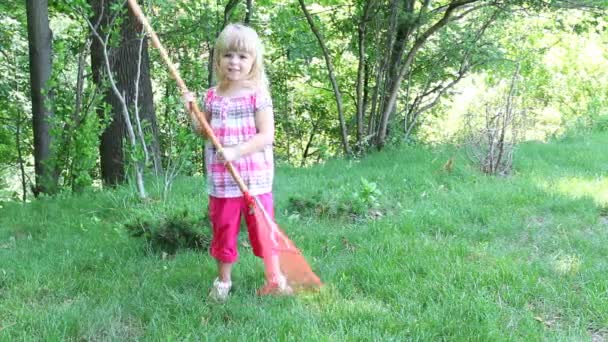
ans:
x=577 y=187
x=567 y=264
x=330 y=300
x=362 y=306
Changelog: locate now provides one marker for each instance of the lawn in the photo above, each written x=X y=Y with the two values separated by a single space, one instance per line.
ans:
x=407 y=250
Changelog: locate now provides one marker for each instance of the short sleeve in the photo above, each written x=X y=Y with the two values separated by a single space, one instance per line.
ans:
x=204 y=105
x=206 y=99
x=262 y=101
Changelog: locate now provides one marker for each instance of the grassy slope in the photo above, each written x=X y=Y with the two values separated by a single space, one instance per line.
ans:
x=456 y=256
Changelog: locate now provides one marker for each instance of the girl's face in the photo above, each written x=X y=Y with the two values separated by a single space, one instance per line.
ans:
x=236 y=65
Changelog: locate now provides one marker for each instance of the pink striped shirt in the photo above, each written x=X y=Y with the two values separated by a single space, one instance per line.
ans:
x=233 y=122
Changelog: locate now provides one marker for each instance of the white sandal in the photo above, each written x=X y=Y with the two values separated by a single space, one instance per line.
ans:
x=220 y=290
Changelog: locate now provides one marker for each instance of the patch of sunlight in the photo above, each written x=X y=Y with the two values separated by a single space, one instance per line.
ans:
x=593 y=53
x=466 y=94
x=548 y=122
x=577 y=187
x=12 y=179
x=567 y=264
x=471 y=96
x=555 y=56
x=365 y=306
x=329 y=298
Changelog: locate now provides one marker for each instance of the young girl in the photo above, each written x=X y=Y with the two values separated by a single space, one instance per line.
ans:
x=239 y=110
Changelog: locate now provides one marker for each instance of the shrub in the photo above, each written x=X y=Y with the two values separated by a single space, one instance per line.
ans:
x=362 y=203
x=173 y=233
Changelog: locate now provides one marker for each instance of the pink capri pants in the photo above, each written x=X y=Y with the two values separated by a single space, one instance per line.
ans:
x=225 y=215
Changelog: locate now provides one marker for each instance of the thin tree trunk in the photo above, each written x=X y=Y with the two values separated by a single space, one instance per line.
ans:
x=507 y=117
x=140 y=131
x=382 y=64
x=403 y=30
x=361 y=70
x=20 y=158
x=384 y=75
x=332 y=77
x=71 y=125
x=210 y=67
x=249 y=12
x=139 y=165
x=371 y=125
x=366 y=75
x=309 y=142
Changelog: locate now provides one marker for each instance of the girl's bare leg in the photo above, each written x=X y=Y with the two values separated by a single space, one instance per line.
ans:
x=224 y=271
x=275 y=267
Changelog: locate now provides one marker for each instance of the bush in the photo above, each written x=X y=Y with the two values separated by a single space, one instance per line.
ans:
x=600 y=123
x=362 y=203
x=173 y=233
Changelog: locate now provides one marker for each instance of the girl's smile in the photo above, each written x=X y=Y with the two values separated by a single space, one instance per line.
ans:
x=236 y=65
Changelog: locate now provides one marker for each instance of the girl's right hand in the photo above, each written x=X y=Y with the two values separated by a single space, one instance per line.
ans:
x=229 y=153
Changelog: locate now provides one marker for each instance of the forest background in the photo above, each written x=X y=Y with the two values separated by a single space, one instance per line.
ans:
x=347 y=78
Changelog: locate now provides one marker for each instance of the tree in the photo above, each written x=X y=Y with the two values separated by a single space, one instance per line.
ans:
x=368 y=11
x=401 y=57
x=40 y=41
x=332 y=77
x=124 y=58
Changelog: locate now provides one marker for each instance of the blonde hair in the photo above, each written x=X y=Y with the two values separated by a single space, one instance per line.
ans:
x=241 y=38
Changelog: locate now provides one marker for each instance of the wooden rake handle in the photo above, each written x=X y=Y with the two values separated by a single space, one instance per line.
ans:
x=195 y=112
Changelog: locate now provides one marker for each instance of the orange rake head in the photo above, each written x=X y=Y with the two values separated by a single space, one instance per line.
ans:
x=275 y=242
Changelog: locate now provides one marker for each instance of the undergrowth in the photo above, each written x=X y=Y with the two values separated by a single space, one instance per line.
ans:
x=172 y=233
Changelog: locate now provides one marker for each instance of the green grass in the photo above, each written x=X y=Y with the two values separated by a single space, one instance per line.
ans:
x=452 y=256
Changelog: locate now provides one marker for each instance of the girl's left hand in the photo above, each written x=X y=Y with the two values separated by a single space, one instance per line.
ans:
x=229 y=154
x=188 y=97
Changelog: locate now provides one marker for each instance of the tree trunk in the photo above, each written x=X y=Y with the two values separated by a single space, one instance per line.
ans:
x=381 y=68
x=249 y=12
x=40 y=40
x=398 y=41
x=362 y=31
x=20 y=158
x=124 y=62
x=306 y=152
x=332 y=78
x=404 y=67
